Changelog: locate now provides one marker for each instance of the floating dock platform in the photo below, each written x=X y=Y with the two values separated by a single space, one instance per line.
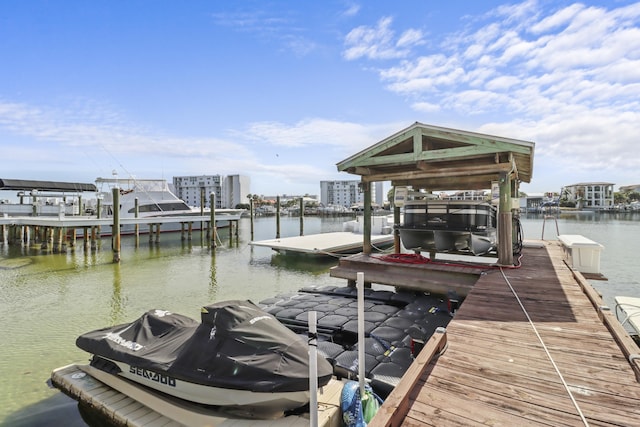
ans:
x=339 y=242
x=121 y=402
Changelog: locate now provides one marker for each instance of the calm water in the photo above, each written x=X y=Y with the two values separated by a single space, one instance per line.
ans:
x=46 y=300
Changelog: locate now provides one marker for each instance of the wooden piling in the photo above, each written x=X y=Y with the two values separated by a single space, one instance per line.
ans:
x=302 y=216
x=396 y=231
x=136 y=210
x=116 y=224
x=505 y=221
x=85 y=236
x=277 y=217
x=202 y=203
x=366 y=245
x=94 y=238
x=251 y=215
x=212 y=202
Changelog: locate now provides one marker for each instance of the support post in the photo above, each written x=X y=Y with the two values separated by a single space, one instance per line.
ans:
x=505 y=223
x=85 y=237
x=396 y=231
x=94 y=237
x=277 y=217
x=99 y=212
x=212 y=210
x=366 y=247
x=136 y=210
x=251 y=215
x=115 y=192
x=302 y=216
x=202 y=203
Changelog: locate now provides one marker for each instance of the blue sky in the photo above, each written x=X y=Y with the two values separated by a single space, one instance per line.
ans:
x=282 y=91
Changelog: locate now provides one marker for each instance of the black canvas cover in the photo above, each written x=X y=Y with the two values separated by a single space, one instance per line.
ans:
x=237 y=346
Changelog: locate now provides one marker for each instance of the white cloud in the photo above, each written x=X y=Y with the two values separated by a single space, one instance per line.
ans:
x=352 y=10
x=568 y=79
x=379 y=42
x=313 y=132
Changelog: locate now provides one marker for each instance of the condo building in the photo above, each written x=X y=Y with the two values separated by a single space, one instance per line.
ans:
x=229 y=190
x=348 y=193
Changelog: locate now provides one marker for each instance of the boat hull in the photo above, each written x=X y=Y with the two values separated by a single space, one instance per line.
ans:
x=205 y=394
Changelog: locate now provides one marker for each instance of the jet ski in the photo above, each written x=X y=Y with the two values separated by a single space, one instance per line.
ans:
x=237 y=356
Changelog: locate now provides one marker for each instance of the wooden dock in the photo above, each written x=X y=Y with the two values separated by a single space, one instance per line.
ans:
x=59 y=232
x=438 y=276
x=551 y=356
x=339 y=242
x=123 y=403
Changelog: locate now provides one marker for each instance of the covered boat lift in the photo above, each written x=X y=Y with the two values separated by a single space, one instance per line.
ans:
x=437 y=158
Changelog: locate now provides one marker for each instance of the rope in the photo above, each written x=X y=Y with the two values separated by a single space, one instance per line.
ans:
x=405 y=258
x=546 y=350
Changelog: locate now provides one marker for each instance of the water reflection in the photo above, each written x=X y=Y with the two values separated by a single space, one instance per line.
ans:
x=213 y=279
x=117 y=303
x=304 y=263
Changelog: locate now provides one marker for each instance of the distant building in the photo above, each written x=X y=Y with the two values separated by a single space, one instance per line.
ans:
x=228 y=191
x=589 y=195
x=235 y=189
x=630 y=188
x=347 y=193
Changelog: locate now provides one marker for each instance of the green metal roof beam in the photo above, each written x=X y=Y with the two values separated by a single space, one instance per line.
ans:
x=442 y=154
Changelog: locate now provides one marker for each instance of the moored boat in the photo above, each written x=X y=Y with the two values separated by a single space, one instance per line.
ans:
x=152 y=198
x=237 y=356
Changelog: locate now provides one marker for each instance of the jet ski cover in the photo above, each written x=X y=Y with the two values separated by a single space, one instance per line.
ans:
x=237 y=346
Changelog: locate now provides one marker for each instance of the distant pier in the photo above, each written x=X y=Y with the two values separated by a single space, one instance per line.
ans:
x=59 y=233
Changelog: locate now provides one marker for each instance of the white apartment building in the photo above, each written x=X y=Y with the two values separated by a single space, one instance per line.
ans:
x=235 y=189
x=347 y=193
x=590 y=195
x=229 y=191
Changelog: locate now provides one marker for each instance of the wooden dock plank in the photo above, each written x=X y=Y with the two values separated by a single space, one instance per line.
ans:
x=496 y=370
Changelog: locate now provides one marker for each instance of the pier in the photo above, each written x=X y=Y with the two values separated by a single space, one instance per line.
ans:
x=57 y=233
x=531 y=345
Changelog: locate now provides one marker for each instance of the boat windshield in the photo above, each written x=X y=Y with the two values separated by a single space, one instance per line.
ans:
x=162 y=207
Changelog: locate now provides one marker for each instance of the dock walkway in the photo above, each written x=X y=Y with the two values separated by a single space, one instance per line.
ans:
x=568 y=365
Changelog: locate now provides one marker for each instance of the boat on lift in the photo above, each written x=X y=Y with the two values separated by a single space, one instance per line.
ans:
x=440 y=225
x=238 y=356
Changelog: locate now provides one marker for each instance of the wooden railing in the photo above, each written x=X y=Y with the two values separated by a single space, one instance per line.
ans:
x=397 y=405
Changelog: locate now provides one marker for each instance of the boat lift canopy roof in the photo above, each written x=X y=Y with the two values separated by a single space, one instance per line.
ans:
x=437 y=158
x=29 y=185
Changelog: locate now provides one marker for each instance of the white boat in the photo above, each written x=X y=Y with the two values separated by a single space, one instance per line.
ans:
x=629 y=309
x=153 y=198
